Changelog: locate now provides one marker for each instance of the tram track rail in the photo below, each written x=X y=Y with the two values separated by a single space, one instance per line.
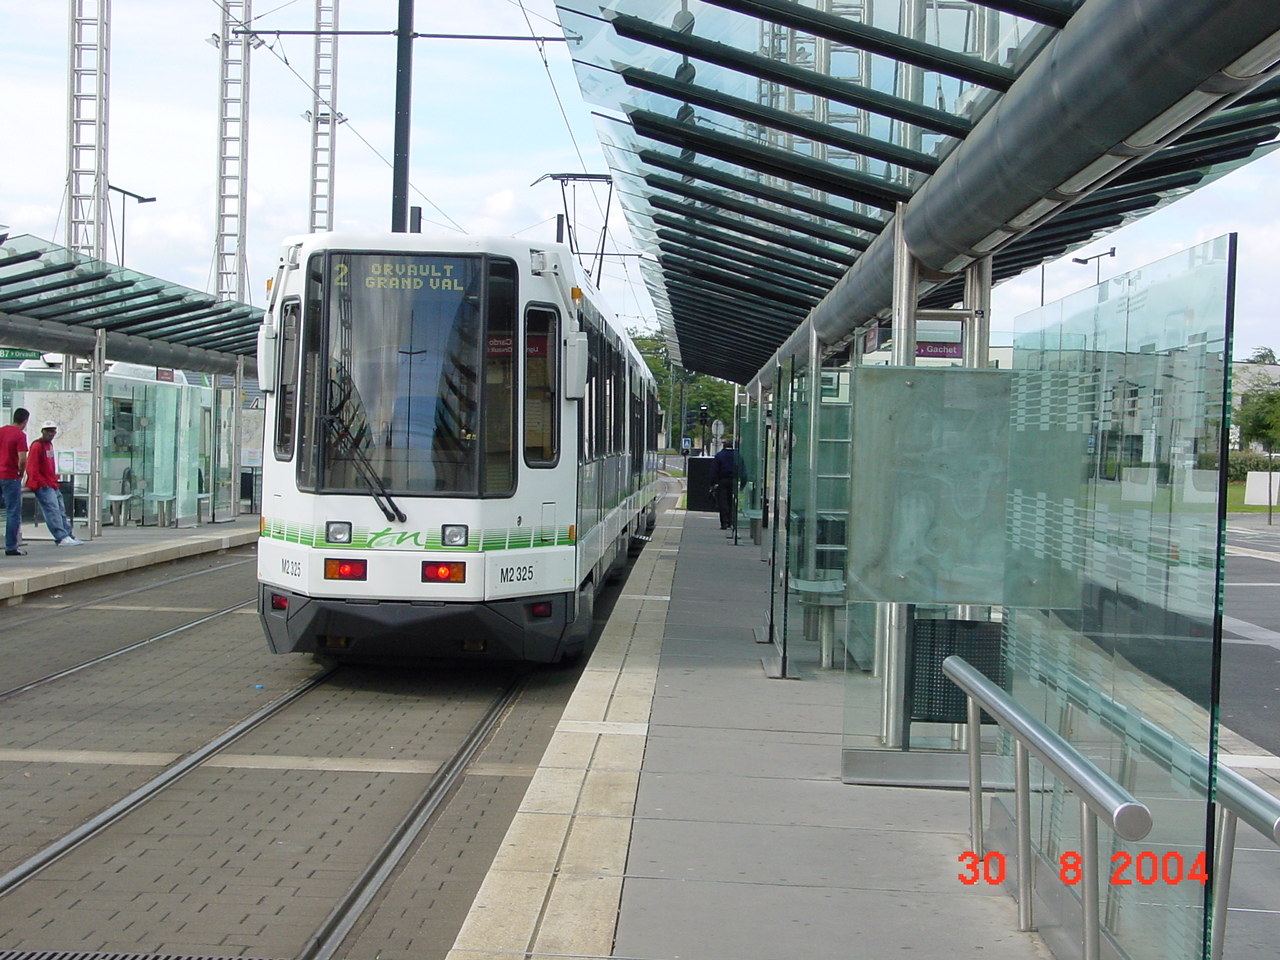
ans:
x=103 y=658
x=153 y=787
x=326 y=943
x=361 y=898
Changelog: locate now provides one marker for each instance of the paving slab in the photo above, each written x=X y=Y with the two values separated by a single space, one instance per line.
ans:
x=710 y=821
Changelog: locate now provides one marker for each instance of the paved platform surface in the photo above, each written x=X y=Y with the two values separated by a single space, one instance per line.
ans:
x=118 y=549
x=689 y=807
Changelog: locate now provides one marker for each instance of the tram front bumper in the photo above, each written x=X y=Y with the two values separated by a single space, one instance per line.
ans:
x=372 y=629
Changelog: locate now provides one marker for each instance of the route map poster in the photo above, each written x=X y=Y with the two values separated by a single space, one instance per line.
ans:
x=72 y=411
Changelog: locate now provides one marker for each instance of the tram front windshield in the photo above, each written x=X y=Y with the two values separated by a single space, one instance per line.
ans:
x=416 y=393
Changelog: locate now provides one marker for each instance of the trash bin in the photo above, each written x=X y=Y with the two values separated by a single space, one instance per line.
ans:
x=931 y=696
x=698 y=485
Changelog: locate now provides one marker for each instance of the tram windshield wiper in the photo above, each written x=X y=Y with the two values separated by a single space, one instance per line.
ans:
x=346 y=432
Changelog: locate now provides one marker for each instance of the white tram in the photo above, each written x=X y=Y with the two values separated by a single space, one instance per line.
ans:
x=459 y=449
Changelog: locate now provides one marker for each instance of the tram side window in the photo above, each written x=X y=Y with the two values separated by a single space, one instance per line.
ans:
x=499 y=401
x=287 y=389
x=541 y=394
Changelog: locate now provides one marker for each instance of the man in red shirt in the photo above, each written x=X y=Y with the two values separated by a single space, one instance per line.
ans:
x=42 y=480
x=13 y=461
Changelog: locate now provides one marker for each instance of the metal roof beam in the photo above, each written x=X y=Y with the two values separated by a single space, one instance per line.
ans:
x=228 y=325
x=134 y=311
x=754 y=188
x=52 y=337
x=156 y=309
x=16 y=258
x=44 y=271
x=886 y=43
x=808 y=81
x=743 y=343
x=741 y=226
x=693 y=248
x=723 y=349
x=1052 y=13
x=826 y=177
x=771 y=313
x=831 y=266
x=750 y=327
x=223 y=342
x=219 y=309
x=63 y=284
x=779 y=120
x=757 y=212
x=824 y=272
x=41 y=313
x=82 y=312
x=739 y=284
x=804 y=288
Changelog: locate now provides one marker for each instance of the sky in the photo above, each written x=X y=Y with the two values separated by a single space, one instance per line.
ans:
x=489 y=119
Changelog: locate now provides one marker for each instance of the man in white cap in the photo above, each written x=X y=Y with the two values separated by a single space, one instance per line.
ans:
x=42 y=480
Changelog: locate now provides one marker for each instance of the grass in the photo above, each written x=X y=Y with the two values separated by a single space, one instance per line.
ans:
x=1236 y=504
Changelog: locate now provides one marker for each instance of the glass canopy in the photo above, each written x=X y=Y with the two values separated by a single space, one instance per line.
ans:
x=759 y=146
x=42 y=281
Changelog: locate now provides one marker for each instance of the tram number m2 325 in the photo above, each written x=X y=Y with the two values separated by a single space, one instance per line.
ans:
x=291 y=568
x=515 y=574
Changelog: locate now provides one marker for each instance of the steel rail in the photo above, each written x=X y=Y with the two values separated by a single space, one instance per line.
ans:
x=117 y=811
x=327 y=940
x=60 y=674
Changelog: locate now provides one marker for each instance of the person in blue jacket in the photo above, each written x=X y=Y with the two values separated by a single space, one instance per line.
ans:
x=726 y=477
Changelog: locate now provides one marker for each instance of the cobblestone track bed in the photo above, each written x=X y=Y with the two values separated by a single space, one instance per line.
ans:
x=420 y=911
x=245 y=856
x=62 y=628
x=71 y=749
x=250 y=861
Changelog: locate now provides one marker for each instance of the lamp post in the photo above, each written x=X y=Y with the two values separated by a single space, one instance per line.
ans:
x=1097 y=259
x=140 y=199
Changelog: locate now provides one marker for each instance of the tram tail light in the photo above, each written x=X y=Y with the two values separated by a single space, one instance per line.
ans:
x=279 y=602
x=346 y=569
x=434 y=571
x=540 y=611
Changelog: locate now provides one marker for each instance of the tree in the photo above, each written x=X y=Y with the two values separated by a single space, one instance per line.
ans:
x=1262 y=355
x=1259 y=418
x=674 y=382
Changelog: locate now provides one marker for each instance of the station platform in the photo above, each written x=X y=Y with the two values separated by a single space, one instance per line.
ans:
x=122 y=548
x=689 y=807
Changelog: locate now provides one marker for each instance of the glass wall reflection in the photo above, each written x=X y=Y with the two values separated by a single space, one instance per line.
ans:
x=1058 y=525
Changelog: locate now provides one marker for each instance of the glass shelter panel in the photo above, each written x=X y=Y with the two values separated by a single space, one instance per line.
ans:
x=1062 y=520
x=1120 y=649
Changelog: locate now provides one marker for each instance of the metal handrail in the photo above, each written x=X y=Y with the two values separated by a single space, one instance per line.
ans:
x=1100 y=796
x=1249 y=802
x=1244 y=800
x=1116 y=806
x=1237 y=798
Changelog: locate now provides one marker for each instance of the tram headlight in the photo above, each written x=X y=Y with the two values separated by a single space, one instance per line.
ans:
x=337 y=531
x=454 y=535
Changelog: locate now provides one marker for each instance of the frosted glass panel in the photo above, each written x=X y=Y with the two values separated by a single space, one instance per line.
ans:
x=1113 y=569
x=930 y=473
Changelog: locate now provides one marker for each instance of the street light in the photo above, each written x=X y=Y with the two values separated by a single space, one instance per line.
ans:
x=135 y=196
x=1097 y=258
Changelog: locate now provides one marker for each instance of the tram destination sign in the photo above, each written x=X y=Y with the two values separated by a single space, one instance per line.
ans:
x=14 y=353
x=398 y=273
